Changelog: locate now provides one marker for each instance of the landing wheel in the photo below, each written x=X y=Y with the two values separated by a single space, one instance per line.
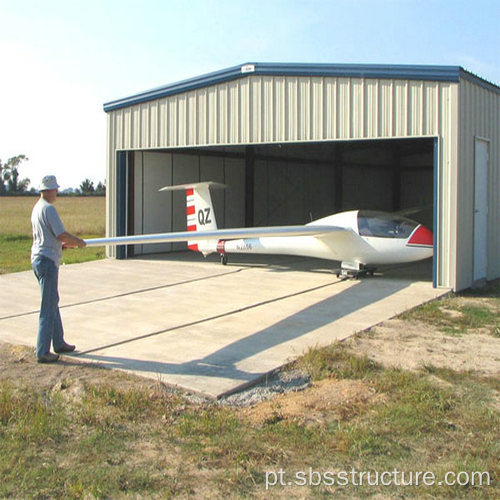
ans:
x=223 y=259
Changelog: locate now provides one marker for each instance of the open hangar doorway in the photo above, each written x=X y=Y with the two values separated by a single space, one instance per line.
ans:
x=281 y=184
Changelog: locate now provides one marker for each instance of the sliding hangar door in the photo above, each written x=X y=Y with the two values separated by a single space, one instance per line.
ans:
x=295 y=143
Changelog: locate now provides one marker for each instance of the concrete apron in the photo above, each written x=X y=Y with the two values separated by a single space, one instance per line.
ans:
x=204 y=327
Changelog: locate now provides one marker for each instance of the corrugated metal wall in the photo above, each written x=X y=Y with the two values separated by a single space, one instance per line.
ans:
x=266 y=109
x=479 y=118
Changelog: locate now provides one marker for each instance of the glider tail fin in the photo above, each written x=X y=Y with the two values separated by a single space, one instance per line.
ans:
x=199 y=211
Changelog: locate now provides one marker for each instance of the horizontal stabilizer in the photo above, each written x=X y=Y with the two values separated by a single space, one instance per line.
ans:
x=219 y=234
x=180 y=187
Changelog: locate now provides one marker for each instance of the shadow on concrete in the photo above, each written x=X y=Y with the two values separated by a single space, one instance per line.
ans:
x=223 y=362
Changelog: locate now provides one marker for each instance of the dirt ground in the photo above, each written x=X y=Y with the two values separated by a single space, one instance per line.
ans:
x=393 y=344
x=410 y=345
x=413 y=345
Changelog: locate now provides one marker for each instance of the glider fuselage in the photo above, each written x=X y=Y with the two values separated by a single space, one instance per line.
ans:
x=345 y=247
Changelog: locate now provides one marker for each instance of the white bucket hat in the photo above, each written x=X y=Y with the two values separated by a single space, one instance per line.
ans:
x=48 y=182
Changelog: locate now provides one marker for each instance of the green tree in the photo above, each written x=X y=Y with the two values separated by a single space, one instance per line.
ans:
x=87 y=187
x=9 y=176
x=100 y=190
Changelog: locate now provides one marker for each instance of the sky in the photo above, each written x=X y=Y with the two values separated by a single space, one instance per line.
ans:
x=61 y=60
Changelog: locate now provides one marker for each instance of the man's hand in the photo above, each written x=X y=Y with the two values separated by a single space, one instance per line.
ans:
x=71 y=241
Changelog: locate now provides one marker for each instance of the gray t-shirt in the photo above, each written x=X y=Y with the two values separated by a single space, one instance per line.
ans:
x=47 y=226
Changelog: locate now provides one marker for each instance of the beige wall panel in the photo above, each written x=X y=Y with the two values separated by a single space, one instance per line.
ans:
x=280 y=108
x=318 y=109
x=127 y=128
x=448 y=123
x=292 y=100
x=305 y=110
x=115 y=128
x=330 y=110
x=479 y=117
x=267 y=118
x=135 y=128
x=431 y=100
x=400 y=108
x=222 y=124
x=245 y=99
x=182 y=118
x=172 y=122
x=162 y=122
x=344 y=108
x=201 y=107
x=415 y=109
x=371 y=109
x=192 y=118
x=357 y=121
x=213 y=115
x=284 y=109
x=233 y=113
x=255 y=110
x=386 y=103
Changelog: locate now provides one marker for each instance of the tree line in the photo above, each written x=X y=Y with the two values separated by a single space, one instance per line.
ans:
x=12 y=185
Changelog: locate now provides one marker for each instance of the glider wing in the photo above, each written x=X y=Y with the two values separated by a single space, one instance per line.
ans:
x=219 y=234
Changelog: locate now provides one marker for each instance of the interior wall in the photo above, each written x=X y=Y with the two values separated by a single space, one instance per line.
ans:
x=159 y=212
x=152 y=208
x=367 y=188
x=292 y=193
x=374 y=175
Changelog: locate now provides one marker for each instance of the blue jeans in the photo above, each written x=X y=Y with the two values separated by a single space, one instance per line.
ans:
x=50 y=327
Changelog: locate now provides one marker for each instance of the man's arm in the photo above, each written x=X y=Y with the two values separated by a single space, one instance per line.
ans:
x=71 y=241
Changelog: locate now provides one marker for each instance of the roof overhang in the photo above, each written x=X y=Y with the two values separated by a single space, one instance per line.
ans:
x=375 y=71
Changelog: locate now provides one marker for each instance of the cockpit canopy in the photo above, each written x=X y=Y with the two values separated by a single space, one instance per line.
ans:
x=384 y=225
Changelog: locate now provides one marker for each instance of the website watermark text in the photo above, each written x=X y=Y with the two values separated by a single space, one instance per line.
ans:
x=396 y=477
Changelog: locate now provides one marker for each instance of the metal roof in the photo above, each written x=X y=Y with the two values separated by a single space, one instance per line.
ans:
x=380 y=71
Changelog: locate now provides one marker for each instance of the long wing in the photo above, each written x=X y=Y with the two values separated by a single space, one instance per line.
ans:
x=220 y=234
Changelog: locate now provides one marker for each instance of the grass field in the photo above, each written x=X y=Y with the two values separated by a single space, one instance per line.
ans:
x=107 y=438
x=83 y=216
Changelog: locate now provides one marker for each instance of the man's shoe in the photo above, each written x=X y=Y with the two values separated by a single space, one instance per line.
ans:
x=65 y=348
x=48 y=358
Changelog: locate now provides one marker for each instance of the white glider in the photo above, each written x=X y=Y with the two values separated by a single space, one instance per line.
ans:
x=359 y=239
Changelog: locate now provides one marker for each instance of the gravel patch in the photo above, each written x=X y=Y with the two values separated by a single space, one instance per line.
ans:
x=277 y=383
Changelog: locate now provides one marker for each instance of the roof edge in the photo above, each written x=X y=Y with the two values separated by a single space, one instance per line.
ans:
x=482 y=82
x=381 y=71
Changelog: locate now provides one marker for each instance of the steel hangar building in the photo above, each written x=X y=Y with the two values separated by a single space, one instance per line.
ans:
x=301 y=141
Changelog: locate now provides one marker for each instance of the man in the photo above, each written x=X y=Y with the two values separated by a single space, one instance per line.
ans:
x=49 y=236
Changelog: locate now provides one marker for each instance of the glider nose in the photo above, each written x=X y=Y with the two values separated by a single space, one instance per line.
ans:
x=421 y=237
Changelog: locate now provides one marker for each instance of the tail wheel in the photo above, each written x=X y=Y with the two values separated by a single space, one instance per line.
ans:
x=223 y=259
